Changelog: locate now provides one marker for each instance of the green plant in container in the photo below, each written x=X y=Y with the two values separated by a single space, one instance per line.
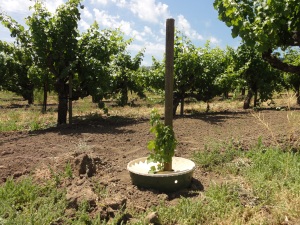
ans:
x=162 y=148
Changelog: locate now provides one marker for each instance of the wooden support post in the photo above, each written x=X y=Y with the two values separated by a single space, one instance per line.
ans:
x=169 y=78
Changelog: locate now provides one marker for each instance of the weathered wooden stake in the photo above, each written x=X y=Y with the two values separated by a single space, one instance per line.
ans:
x=169 y=78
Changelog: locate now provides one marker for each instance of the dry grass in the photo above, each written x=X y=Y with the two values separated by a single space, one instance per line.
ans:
x=284 y=102
x=17 y=115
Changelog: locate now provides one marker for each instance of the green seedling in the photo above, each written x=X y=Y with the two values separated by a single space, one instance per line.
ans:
x=162 y=148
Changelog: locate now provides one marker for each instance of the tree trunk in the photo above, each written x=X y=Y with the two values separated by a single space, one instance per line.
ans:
x=124 y=96
x=298 y=95
x=182 y=106
x=255 y=99
x=62 y=109
x=44 y=109
x=62 y=89
x=176 y=101
x=123 y=99
x=243 y=91
x=28 y=94
x=94 y=100
x=226 y=95
x=248 y=99
x=70 y=98
x=30 y=98
x=279 y=64
x=207 y=107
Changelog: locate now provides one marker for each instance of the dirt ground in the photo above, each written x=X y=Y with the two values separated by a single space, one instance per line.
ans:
x=99 y=150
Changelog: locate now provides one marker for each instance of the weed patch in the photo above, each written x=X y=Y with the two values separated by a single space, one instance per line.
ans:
x=215 y=157
x=27 y=203
x=271 y=194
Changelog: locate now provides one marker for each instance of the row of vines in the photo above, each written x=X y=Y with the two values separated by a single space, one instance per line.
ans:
x=51 y=54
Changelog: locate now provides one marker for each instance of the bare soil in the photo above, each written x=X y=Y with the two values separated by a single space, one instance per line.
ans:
x=99 y=150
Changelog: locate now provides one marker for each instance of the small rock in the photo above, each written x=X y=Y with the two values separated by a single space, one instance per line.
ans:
x=113 y=180
x=152 y=218
x=78 y=194
x=116 y=203
x=7 y=153
x=104 y=183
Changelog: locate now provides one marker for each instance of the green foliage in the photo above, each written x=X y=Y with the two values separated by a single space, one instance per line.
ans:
x=266 y=178
x=12 y=123
x=212 y=158
x=162 y=148
x=96 y=52
x=265 y=25
x=229 y=80
x=154 y=76
x=268 y=24
x=82 y=215
x=14 y=66
x=26 y=119
x=100 y=189
x=260 y=78
x=35 y=125
x=54 y=37
x=219 y=203
x=292 y=56
x=26 y=203
x=51 y=43
x=195 y=71
x=127 y=76
x=273 y=170
x=59 y=176
x=212 y=61
x=97 y=61
x=54 y=41
x=68 y=170
x=187 y=66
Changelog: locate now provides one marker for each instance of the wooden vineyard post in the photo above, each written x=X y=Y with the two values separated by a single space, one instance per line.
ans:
x=169 y=79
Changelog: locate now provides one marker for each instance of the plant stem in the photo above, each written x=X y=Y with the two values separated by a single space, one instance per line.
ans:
x=168 y=166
